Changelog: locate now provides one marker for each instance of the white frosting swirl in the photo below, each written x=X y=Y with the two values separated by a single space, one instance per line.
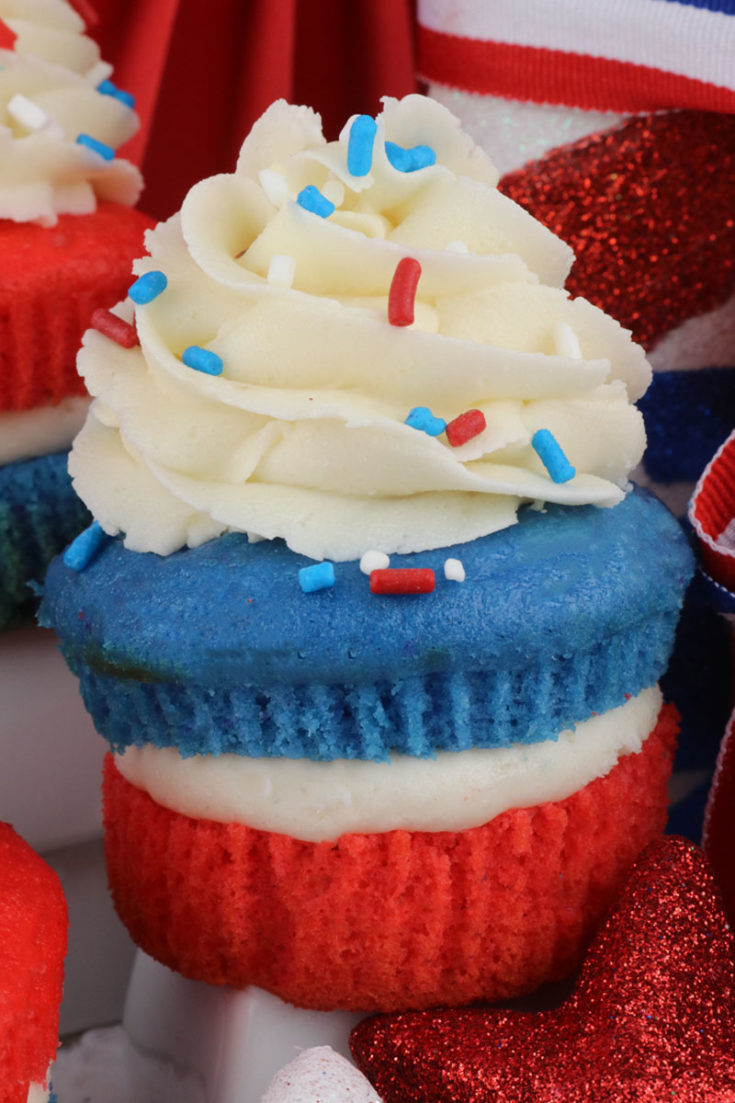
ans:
x=456 y=790
x=48 y=97
x=303 y=435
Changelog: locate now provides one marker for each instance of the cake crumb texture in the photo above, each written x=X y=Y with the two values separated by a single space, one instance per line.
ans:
x=53 y=280
x=384 y=921
x=33 y=933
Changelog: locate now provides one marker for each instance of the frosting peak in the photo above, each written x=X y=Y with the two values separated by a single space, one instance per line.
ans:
x=50 y=75
x=296 y=427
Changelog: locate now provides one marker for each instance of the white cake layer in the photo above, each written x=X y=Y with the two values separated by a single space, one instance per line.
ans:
x=456 y=790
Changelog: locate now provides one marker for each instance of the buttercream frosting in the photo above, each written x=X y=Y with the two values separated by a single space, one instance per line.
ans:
x=315 y=801
x=48 y=98
x=303 y=435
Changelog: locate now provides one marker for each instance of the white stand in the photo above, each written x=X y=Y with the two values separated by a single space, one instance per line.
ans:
x=234 y=1040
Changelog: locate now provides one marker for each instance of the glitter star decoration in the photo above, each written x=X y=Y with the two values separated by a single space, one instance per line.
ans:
x=649 y=209
x=652 y=1016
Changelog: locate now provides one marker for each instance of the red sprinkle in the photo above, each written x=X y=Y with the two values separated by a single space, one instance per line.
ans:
x=402 y=580
x=468 y=425
x=403 y=292
x=85 y=10
x=107 y=323
x=7 y=36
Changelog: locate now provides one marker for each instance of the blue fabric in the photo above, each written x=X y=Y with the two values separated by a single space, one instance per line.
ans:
x=688 y=414
x=217 y=648
x=726 y=6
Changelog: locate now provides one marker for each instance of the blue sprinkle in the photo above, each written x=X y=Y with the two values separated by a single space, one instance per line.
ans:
x=82 y=551
x=311 y=199
x=422 y=418
x=360 y=146
x=409 y=160
x=147 y=287
x=99 y=147
x=320 y=576
x=552 y=457
x=107 y=88
x=203 y=360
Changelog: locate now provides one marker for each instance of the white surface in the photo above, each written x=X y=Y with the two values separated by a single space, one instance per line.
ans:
x=232 y=1041
x=52 y=757
x=100 y=955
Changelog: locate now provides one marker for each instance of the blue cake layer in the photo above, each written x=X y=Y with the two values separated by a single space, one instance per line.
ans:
x=39 y=515
x=217 y=648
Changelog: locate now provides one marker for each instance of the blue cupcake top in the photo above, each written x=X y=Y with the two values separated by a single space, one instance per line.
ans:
x=231 y=612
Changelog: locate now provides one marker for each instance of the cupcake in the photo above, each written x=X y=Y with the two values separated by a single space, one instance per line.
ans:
x=369 y=615
x=33 y=929
x=68 y=234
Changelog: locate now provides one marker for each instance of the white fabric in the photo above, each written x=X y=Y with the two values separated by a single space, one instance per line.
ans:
x=692 y=42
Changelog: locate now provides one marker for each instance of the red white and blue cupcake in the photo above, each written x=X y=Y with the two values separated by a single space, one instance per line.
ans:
x=369 y=615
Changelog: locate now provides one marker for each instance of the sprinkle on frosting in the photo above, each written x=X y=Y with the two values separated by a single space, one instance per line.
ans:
x=360 y=145
x=552 y=456
x=7 y=36
x=147 y=287
x=107 y=88
x=203 y=360
x=454 y=570
x=105 y=151
x=374 y=561
x=117 y=329
x=320 y=576
x=27 y=113
x=421 y=418
x=311 y=199
x=566 y=341
x=402 y=295
x=463 y=428
x=402 y=580
x=85 y=547
x=281 y=270
x=409 y=160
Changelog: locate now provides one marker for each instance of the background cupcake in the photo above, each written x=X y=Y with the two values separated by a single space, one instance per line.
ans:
x=68 y=234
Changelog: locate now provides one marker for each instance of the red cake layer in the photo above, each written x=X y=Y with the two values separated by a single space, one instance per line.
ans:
x=33 y=929
x=53 y=279
x=384 y=921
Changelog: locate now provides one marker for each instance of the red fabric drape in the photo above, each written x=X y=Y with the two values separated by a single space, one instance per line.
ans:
x=203 y=71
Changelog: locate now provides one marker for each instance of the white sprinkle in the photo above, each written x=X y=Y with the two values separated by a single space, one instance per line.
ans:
x=281 y=270
x=456 y=247
x=27 y=113
x=101 y=70
x=274 y=185
x=374 y=561
x=566 y=341
x=454 y=570
x=334 y=191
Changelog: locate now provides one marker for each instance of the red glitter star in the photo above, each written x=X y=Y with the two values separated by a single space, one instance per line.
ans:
x=649 y=209
x=652 y=1016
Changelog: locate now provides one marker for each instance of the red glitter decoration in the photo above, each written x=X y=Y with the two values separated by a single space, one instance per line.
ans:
x=402 y=580
x=402 y=293
x=118 y=330
x=718 y=835
x=7 y=36
x=468 y=425
x=649 y=209
x=652 y=1016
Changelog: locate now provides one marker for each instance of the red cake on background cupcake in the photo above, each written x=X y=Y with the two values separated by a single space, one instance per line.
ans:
x=352 y=353
x=68 y=234
x=33 y=932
